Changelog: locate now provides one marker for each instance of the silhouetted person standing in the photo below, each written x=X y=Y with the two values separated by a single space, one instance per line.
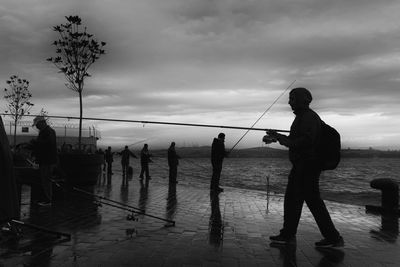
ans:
x=144 y=162
x=303 y=181
x=218 y=154
x=45 y=150
x=125 y=155
x=173 y=161
x=9 y=201
x=109 y=160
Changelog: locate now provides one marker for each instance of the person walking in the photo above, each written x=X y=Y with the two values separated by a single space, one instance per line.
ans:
x=303 y=180
x=125 y=155
x=45 y=151
x=173 y=161
x=218 y=153
x=144 y=162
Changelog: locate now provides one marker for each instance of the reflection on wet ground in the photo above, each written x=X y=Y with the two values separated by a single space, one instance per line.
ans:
x=227 y=229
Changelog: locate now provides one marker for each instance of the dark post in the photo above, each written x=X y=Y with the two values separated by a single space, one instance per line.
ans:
x=390 y=195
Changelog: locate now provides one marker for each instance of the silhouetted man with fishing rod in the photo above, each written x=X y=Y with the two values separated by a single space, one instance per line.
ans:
x=45 y=151
x=218 y=153
x=173 y=161
x=144 y=162
x=303 y=181
x=125 y=155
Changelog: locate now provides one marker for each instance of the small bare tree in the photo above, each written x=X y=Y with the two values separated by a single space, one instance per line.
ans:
x=76 y=51
x=18 y=99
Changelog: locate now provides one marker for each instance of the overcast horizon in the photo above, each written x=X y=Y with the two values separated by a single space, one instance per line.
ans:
x=221 y=62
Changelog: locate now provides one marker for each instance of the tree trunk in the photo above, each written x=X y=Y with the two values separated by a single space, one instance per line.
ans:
x=15 y=132
x=80 y=117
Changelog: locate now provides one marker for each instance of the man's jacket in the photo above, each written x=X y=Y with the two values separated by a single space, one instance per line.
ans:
x=304 y=136
x=46 y=146
x=217 y=151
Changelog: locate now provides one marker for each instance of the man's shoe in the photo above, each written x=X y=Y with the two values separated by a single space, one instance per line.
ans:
x=326 y=243
x=281 y=239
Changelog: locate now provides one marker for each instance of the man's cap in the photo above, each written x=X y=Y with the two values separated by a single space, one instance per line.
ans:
x=38 y=119
x=221 y=135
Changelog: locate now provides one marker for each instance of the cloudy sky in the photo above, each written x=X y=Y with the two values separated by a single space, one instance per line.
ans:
x=218 y=62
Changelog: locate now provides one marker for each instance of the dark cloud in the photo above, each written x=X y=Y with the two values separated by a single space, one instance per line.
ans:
x=219 y=61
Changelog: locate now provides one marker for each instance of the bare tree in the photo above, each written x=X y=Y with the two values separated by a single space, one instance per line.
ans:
x=76 y=51
x=18 y=100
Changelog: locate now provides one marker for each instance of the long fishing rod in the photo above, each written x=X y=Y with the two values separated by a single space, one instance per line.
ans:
x=107 y=199
x=126 y=207
x=136 y=143
x=162 y=122
x=262 y=115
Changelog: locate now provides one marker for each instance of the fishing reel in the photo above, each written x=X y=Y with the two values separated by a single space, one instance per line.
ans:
x=269 y=139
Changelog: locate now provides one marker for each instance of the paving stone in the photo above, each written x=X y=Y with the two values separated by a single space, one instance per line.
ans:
x=237 y=235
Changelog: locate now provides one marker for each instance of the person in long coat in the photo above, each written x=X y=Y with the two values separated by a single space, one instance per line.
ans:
x=173 y=161
x=125 y=155
x=45 y=150
x=218 y=153
x=144 y=162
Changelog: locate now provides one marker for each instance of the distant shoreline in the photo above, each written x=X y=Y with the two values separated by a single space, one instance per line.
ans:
x=266 y=152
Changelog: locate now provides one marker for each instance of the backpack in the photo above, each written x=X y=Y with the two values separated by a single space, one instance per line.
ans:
x=329 y=147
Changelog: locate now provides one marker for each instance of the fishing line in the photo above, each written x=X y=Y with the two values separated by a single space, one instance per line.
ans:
x=262 y=115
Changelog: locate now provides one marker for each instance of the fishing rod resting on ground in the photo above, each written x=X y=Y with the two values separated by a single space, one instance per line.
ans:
x=126 y=207
x=107 y=199
x=122 y=206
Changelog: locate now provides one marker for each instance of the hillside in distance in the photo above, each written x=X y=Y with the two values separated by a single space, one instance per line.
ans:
x=205 y=152
x=257 y=152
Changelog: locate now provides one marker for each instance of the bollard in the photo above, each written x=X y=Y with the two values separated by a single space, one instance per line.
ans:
x=390 y=195
x=390 y=192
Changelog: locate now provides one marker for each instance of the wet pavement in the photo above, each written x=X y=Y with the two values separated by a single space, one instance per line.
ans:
x=230 y=229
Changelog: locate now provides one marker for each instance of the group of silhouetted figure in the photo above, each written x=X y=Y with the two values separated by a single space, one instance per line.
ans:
x=302 y=186
x=145 y=159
